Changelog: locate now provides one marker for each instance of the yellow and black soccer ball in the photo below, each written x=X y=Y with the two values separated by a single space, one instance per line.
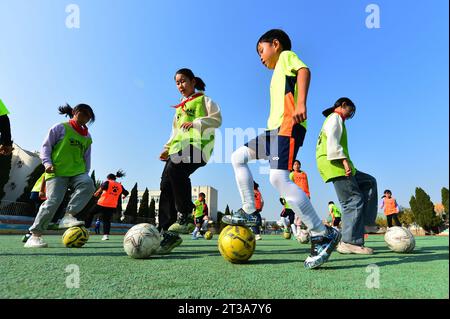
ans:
x=208 y=235
x=75 y=237
x=286 y=234
x=236 y=244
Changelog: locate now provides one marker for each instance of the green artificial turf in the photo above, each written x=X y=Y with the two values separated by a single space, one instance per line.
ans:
x=197 y=270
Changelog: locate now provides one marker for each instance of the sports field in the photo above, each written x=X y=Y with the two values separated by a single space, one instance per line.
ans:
x=197 y=270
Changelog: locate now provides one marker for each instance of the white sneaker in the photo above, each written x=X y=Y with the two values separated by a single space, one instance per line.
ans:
x=258 y=237
x=105 y=237
x=35 y=242
x=69 y=221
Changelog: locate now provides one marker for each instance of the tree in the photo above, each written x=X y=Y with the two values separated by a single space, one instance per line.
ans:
x=152 y=212
x=227 y=210
x=423 y=210
x=143 y=207
x=97 y=183
x=32 y=179
x=131 y=210
x=406 y=217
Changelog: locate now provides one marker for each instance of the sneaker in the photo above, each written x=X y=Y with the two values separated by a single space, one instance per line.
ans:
x=179 y=228
x=69 y=221
x=195 y=237
x=240 y=218
x=322 y=247
x=169 y=242
x=35 y=242
x=344 y=248
x=26 y=237
x=258 y=237
x=373 y=230
x=105 y=237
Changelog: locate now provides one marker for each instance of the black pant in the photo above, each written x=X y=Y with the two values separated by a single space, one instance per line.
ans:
x=395 y=217
x=176 y=189
x=107 y=213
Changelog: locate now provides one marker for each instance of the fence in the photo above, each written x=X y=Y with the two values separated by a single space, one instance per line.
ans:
x=16 y=208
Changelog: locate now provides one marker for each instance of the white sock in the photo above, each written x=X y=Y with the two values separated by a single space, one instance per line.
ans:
x=294 y=230
x=244 y=178
x=195 y=232
x=298 y=201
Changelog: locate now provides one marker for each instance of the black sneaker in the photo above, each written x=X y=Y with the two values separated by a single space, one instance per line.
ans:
x=322 y=247
x=26 y=237
x=169 y=242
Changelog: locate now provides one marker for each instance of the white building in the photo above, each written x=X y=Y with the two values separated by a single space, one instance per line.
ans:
x=210 y=193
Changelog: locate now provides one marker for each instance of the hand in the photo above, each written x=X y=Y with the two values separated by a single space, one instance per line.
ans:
x=164 y=156
x=348 y=169
x=186 y=126
x=6 y=150
x=49 y=169
x=300 y=114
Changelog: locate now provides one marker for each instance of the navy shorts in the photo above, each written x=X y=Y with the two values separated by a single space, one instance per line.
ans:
x=198 y=220
x=280 y=150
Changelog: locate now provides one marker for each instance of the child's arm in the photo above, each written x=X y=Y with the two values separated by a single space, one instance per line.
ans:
x=42 y=190
x=303 y=80
x=165 y=153
x=55 y=134
x=87 y=159
x=213 y=118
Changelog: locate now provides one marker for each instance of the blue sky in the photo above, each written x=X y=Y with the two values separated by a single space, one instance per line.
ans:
x=123 y=58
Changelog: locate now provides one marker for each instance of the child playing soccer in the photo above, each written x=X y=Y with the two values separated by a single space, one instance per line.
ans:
x=259 y=204
x=109 y=192
x=300 y=178
x=200 y=211
x=335 y=214
x=66 y=155
x=288 y=218
x=390 y=207
x=286 y=129
x=189 y=148
x=356 y=191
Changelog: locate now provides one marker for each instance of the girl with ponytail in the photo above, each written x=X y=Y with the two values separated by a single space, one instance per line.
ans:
x=109 y=192
x=188 y=148
x=66 y=156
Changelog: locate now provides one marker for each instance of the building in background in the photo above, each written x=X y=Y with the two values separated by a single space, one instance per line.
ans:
x=210 y=192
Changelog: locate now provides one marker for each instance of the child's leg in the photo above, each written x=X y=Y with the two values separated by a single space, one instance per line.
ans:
x=84 y=189
x=196 y=230
x=244 y=178
x=397 y=221
x=352 y=203
x=107 y=215
x=389 y=220
x=297 y=199
x=167 y=211
x=56 y=189
x=368 y=187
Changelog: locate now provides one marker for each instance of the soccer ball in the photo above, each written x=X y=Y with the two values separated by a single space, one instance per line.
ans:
x=236 y=244
x=287 y=235
x=303 y=236
x=400 y=239
x=208 y=235
x=141 y=241
x=75 y=237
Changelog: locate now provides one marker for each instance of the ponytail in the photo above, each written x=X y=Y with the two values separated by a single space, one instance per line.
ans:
x=66 y=110
x=119 y=174
x=199 y=84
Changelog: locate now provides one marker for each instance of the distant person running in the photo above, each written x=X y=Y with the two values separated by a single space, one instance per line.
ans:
x=335 y=214
x=391 y=210
x=188 y=148
x=356 y=191
x=97 y=226
x=288 y=218
x=286 y=129
x=109 y=192
x=66 y=155
x=300 y=178
x=6 y=147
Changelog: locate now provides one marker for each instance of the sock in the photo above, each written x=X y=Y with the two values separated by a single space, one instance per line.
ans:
x=298 y=201
x=294 y=230
x=195 y=232
x=244 y=178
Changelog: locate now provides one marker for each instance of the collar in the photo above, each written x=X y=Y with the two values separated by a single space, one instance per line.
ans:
x=183 y=103
x=340 y=114
x=82 y=130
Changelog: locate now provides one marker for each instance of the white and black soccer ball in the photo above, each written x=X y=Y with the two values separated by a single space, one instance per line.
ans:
x=303 y=236
x=400 y=239
x=141 y=241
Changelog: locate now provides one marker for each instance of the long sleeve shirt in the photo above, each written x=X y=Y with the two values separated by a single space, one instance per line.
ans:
x=333 y=129
x=55 y=135
x=213 y=119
